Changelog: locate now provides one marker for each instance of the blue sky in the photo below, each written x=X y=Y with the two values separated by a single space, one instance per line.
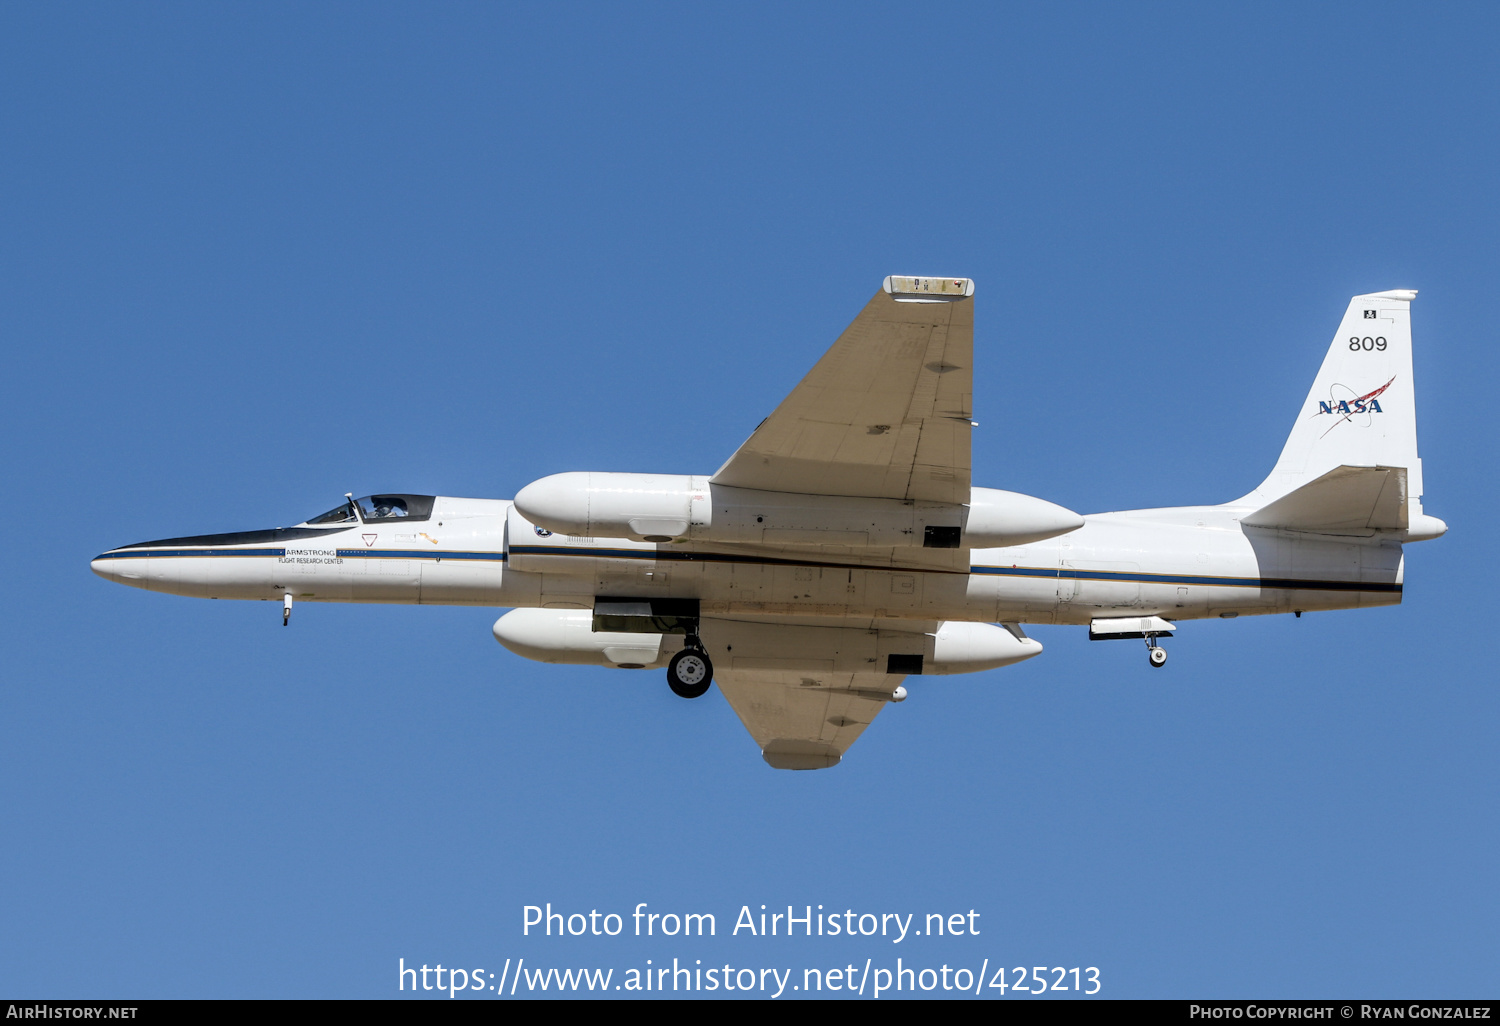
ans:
x=256 y=256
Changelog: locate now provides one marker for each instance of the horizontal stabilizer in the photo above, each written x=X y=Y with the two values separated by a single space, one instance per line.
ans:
x=1346 y=500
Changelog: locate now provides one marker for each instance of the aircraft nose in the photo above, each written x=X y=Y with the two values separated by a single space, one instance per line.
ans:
x=121 y=571
x=105 y=567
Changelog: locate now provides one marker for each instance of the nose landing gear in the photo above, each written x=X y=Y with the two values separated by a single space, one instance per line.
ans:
x=690 y=672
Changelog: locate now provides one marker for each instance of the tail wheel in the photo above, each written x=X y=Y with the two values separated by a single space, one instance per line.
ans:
x=690 y=673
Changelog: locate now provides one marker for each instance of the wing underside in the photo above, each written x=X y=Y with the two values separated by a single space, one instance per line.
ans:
x=886 y=413
x=805 y=719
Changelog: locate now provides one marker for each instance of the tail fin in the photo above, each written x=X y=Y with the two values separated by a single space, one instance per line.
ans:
x=1361 y=411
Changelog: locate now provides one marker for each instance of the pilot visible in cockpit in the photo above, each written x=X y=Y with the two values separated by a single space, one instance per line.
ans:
x=378 y=507
x=383 y=507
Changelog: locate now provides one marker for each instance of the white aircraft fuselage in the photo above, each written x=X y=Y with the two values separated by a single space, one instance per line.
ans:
x=842 y=547
x=1182 y=563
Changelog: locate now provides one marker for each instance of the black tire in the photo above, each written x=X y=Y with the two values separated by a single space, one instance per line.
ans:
x=690 y=673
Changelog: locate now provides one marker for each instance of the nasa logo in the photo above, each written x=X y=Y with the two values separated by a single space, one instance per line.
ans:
x=542 y=532
x=1348 y=408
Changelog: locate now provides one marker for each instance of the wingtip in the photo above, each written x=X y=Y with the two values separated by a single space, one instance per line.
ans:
x=915 y=289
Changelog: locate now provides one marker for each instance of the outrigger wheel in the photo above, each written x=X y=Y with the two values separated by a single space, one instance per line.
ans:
x=690 y=672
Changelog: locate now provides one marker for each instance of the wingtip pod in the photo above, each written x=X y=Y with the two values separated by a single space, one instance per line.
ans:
x=911 y=289
x=800 y=755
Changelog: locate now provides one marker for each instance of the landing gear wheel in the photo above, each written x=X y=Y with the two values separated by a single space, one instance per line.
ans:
x=1158 y=656
x=690 y=673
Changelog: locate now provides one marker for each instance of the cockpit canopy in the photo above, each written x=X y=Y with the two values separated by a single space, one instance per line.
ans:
x=379 y=508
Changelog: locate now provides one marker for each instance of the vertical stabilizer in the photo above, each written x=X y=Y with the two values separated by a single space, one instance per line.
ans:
x=1361 y=411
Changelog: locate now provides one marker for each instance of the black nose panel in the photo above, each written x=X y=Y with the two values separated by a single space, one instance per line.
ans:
x=275 y=534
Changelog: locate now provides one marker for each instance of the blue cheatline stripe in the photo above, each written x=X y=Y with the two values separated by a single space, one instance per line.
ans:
x=994 y=571
x=678 y=556
x=281 y=553
x=1081 y=574
x=418 y=554
x=1052 y=573
x=154 y=553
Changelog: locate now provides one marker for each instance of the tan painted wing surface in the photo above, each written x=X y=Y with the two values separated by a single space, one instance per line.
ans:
x=805 y=720
x=885 y=413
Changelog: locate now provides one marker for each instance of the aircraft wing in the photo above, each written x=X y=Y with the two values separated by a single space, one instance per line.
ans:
x=885 y=413
x=805 y=719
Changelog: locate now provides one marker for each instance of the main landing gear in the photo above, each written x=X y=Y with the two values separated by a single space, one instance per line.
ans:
x=690 y=672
